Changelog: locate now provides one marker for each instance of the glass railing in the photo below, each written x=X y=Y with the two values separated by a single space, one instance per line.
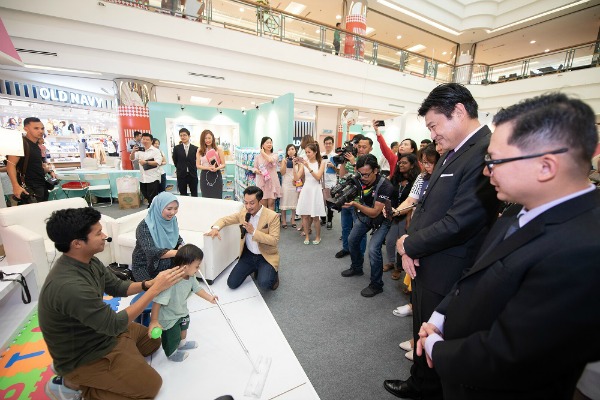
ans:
x=255 y=19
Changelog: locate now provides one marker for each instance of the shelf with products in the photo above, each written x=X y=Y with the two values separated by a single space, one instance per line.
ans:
x=244 y=168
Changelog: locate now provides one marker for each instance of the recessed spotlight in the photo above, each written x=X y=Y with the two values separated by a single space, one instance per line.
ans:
x=241 y=9
x=532 y=42
x=338 y=17
x=318 y=31
x=547 y=50
x=419 y=60
x=399 y=37
x=444 y=53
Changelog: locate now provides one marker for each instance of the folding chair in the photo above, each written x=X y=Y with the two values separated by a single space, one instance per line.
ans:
x=71 y=183
x=99 y=183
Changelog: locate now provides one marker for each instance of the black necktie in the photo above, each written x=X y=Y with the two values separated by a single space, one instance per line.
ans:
x=513 y=227
x=449 y=156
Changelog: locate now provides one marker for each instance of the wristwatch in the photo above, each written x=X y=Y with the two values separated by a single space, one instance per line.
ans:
x=215 y=227
x=144 y=287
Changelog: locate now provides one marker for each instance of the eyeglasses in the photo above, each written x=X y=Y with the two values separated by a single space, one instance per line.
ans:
x=426 y=163
x=365 y=175
x=489 y=163
x=403 y=162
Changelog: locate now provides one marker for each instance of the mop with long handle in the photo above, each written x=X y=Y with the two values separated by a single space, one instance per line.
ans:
x=260 y=367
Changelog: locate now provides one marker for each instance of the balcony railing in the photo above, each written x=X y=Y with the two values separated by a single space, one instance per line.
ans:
x=256 y=19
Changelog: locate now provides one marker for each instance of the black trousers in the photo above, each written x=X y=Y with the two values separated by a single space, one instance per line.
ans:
x=185 y=181
x=150 y=190
x=423 y=378
x=37 y=194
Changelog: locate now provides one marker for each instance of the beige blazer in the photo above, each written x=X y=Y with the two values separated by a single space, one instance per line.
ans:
x=266 y=233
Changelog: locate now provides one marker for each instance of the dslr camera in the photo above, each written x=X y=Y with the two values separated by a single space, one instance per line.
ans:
x=347 y=148
x=345 y=191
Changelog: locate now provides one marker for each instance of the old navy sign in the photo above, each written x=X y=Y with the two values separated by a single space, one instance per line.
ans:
x=53 y=95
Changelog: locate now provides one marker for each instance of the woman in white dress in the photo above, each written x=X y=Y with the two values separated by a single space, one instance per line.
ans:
x=310 y=202
x=289 y=195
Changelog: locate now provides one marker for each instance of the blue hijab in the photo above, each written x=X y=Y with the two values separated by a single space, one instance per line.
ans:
x=165 y=233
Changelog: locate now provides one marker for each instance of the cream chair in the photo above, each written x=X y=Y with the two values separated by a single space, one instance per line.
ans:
x=99 y=183
x=23 y=231
x=195 y=217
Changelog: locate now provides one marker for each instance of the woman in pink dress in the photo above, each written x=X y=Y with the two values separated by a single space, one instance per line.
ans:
x=265 y=166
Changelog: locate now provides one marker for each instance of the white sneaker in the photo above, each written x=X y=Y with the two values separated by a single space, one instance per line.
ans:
x=406 y=346
x=56 y=390
x=403 y=311
x=409 y=355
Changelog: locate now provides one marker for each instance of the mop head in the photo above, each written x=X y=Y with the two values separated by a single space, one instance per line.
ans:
x=257 y=380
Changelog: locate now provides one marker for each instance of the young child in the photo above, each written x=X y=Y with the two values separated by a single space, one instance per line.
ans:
x=290 y=173
x=170 y=312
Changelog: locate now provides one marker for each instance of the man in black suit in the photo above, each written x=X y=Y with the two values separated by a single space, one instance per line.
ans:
x=523 y=321
x=184 y=158
x=450 y=221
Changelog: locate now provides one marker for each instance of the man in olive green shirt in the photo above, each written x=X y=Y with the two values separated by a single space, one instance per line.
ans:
x=95 y=349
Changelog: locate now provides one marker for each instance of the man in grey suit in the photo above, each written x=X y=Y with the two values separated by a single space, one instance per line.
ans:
x=523 y=321
x=450 y=221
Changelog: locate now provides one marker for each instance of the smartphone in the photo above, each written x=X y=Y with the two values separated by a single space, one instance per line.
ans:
x=379 y=123
x=388 y=209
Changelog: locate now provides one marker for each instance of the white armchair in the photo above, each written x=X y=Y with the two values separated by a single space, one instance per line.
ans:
x=195 y=217
x=23 y=231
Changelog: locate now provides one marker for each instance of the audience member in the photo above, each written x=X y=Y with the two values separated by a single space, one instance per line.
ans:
x=330 y=178
x=258 y=245
x=363 y=145
x=290 y=174
x=27 y=173
x=161 y=171
x=93 y=348
x=157 y=238
x=376 y=191
x=425 y=143
x=184 y=159
x=169 y=310
x=149 y=159
x=210 y=160
x=498 y=332
x=461 y=206
x=135 y=142
x=386 y=170
x=265 y=166
x=311 y=205
x=336 y=39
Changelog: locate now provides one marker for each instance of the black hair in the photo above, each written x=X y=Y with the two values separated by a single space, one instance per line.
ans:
x=358 y=137
x=427 y=141
x=69 y=224
x=263 y=140
x=155 y=140
x=431 y=155
x=147 y=134
x=329 y=137
x=413 y=145
x=187 y=254
x=288 y=147
x=29 y=120
x=368 y=139
x=250 y=190
x=393 y=144
x=412 y=174
x=184 y=130
x=135 y=133
x=444 y=98
x=367 y=159
x=552 y=119
x=338 y=24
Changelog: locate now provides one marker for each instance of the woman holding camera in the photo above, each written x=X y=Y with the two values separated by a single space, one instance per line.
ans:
x=311 y=205
x=210 y=160
x=265 y=167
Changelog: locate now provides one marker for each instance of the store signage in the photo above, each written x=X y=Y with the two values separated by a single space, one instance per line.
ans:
x=54 y=94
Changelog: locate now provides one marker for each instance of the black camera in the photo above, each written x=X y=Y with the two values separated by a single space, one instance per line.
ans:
x=345 y=191
x=341 y=152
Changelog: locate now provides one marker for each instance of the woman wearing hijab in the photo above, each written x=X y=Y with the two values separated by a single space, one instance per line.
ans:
x=157 y=238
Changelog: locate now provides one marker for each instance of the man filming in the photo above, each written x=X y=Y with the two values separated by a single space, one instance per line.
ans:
x=374 y=193
x=363 y=145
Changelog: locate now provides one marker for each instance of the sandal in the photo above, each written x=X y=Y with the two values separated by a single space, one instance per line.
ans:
x=293 y=225
x=307 y=242
x=284 y=226
x=396 y=274
x=316 y=241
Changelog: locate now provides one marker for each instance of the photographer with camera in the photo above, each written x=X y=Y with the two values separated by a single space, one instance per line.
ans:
x=28 y=173
x=374 y=192
x=149 y=158
x=346 y=158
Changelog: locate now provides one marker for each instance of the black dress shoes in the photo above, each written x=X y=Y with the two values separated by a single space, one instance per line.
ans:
x=352 y=272
x=401 y=389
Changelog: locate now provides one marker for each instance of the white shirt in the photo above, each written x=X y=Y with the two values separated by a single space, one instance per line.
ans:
x=152 y=174
x=251 y=244
x=330 y=178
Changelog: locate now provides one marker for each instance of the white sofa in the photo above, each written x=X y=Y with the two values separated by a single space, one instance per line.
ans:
x=23 y=231
x=195 y=217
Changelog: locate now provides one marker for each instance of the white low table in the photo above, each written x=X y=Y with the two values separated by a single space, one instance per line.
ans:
x=12 y=309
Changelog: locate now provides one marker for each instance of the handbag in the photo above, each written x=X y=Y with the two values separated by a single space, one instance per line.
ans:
x=50 y=182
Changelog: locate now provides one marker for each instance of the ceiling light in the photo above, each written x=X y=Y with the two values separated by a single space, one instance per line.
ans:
x=547 y=50
x=444 y=53
x=200 y=100
x=241 y=9
x=321 y=103
x=295 y=8
x=369 y=30
x=253 y=93
x=420 y=18
x=538 y=16
x=338 y=17
x=532 y=42
x=399 y=37
x=318 y=31
x=253 y=102
x=183 y=84
x=78 y=71
x=416 y=48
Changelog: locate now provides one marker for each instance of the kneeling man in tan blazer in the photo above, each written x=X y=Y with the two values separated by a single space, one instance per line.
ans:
x=258 y=244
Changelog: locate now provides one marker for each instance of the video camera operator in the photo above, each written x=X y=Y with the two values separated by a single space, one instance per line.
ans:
x=363 y=146
x=375 y=192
